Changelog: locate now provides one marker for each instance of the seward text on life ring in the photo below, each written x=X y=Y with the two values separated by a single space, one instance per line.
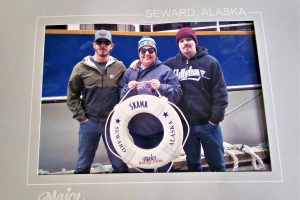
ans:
x=170 y=146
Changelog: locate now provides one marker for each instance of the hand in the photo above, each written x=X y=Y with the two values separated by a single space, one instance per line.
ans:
x=212 y=123
x=155 y=84
x=132 y=85
x=134 y=64
x=83 y=120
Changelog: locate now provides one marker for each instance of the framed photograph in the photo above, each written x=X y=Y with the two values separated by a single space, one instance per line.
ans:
x=239 y=47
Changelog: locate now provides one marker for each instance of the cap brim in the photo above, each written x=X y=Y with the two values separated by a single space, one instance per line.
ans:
x=102 y=38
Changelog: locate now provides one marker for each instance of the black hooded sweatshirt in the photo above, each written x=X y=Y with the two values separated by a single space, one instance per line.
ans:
x=204 y=89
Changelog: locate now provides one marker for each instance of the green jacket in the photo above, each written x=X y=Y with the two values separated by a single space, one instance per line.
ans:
x=99 y=91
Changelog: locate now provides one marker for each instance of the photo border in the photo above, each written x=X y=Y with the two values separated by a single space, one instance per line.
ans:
x=275 y=175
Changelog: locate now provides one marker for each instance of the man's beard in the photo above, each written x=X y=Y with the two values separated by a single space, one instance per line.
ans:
x=103 y=53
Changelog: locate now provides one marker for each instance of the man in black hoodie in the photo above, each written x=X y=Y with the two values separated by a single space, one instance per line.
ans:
x=203 y=102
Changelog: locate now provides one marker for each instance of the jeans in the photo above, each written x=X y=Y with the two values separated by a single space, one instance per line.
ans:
x=210 y=137
x=89 y=136
x=149 y=142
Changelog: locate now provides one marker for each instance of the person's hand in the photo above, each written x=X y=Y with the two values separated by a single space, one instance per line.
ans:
x=134 y=64
x=132 y=85
x=83 y=120
x=212 y=123
x=155 y=84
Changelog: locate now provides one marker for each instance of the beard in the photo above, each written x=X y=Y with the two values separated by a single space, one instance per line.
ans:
x=188 y=51
x=102 y=52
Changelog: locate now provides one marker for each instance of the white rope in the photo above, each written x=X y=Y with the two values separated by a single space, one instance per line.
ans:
x=255 y=158
x=257 y=162
x=185 y=120
x=234 y=158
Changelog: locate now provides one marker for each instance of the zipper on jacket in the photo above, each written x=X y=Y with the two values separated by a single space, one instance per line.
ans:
x=104 y=75
x=102 y=80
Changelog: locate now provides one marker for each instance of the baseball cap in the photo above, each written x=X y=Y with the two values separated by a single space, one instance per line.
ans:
x=103 y=34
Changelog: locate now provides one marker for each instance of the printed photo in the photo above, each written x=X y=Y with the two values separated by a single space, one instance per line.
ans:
x=152 y=98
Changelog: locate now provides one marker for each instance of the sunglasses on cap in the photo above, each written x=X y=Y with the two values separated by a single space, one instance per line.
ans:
x=150 y=50
x=106 y=42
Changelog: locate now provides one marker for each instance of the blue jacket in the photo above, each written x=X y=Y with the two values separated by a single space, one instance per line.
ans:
x=204 y=89
x=146 y=124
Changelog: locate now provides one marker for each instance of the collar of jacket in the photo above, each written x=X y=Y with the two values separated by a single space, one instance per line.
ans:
x=87 y=61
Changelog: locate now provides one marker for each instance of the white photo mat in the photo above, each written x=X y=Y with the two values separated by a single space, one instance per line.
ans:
x=152 y=16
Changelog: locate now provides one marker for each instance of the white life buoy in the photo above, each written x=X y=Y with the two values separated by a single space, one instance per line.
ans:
x=171 y=144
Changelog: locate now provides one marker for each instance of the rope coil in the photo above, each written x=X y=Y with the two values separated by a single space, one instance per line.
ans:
x=257 y=162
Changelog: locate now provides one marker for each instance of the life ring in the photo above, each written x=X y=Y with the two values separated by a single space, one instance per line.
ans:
x=169 y=147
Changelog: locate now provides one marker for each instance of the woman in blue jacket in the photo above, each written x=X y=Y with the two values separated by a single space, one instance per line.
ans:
x=145 y=129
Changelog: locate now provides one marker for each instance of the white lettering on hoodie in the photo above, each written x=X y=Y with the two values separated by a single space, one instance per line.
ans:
x=190 y=74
